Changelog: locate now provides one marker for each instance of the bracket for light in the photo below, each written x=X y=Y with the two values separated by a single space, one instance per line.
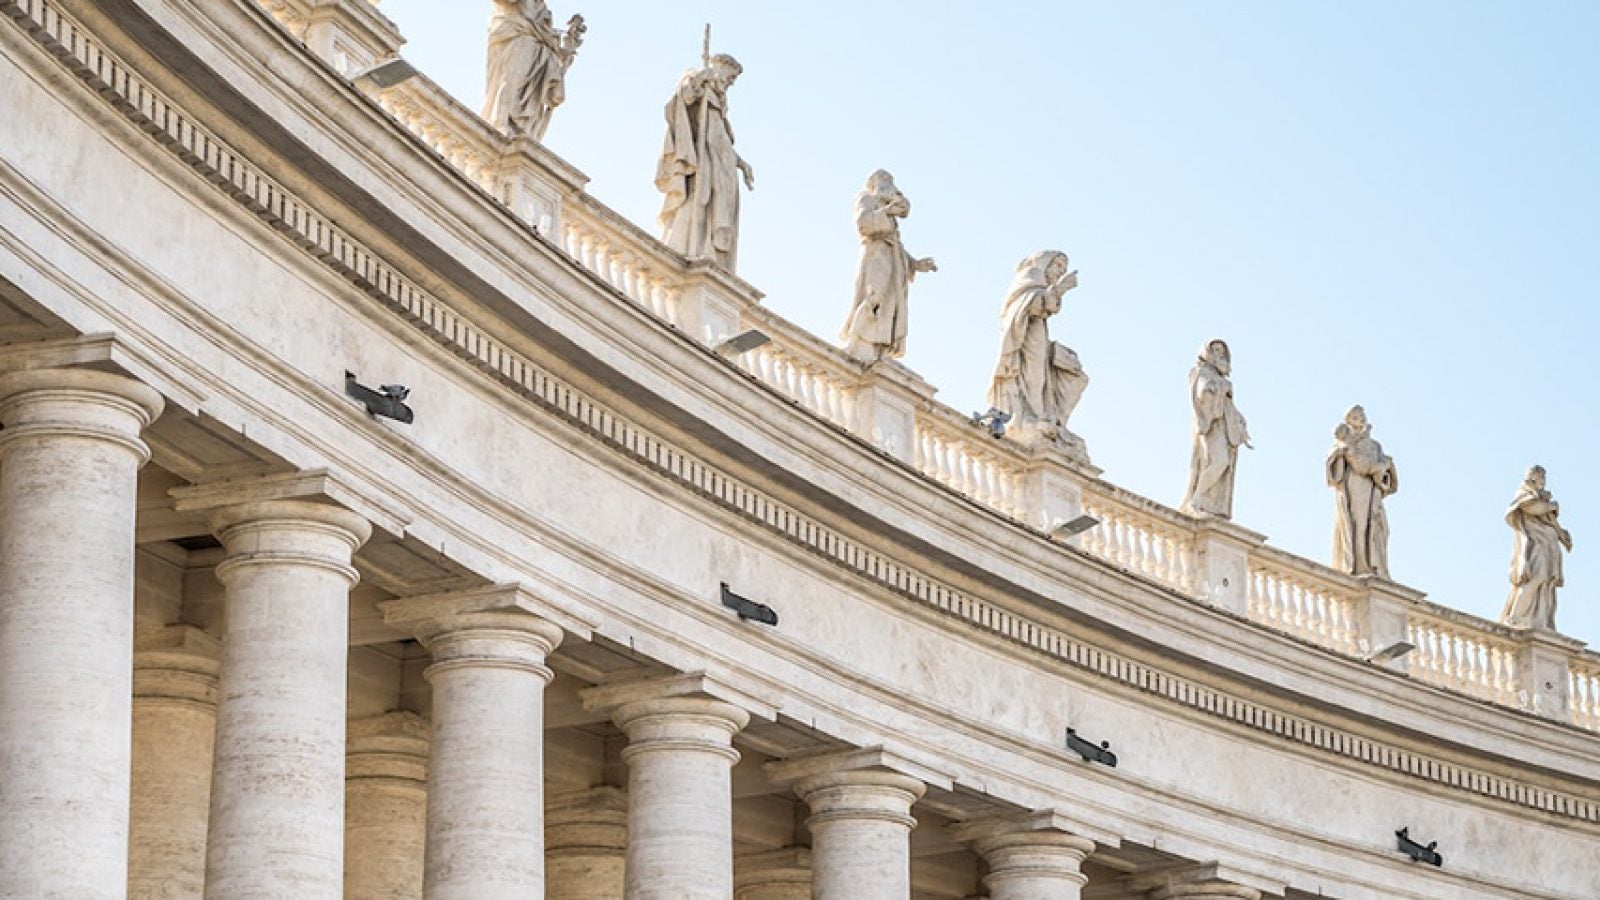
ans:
x=1390 y=653
x=742 y=343
x=387 y=401
x=994 y=420
x=748 y=610
x=1416 y=851
x=385 y=74
x=1090 y=751
x=1062 y=530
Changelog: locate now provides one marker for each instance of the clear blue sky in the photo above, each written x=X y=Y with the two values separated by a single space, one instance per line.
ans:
x=1391 y=204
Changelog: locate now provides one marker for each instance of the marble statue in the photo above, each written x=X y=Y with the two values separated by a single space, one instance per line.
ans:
x=699 y=171
x=1361 y=476
x=1037 y=381
x=1219 y=430
x=876 y=326
x=1536 y=561
x=528 y=61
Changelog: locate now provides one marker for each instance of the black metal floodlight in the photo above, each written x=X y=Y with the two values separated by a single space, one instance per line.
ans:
x=387 y=401
x=1091 y=753
x=383 y=75
x=742 y=343
x=1416 y=851
x=1062 y=530
x=748 y=610
x=994 y=420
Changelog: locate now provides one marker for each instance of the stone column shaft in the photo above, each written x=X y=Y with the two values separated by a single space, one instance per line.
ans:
x=860 y=833
x=69 y=461
x=385 y=807
x=680 y=796
x=277 y=799
x=486 y=765
x=586 y=841
x=174 y=725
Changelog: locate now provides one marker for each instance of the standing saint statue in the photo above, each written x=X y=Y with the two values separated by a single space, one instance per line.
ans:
x=528 y=61
x=699 y=170
x=1361 y=476
x=1536 y=561
x=876 y=326
x=1219 y=430
x=1038 y=382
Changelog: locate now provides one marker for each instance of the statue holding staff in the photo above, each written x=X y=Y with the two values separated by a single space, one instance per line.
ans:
x=1536 y=560
x=1361 y=475
x=876 y=325
x=528 y=62
x=699 y=172
x=1219 y=430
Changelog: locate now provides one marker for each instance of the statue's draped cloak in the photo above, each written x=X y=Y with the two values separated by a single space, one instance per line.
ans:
x=1536 y=565
x=699 y=174
x=1361 y=476
x=878 y=314
x=1219 y=429
x=1034 y=378
x=526 y=70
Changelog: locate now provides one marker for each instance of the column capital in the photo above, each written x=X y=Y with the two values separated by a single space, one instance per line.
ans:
x=494 y=625
x=85 y=403
x=392 y=745
x=316 y=486
x=1198 y=881
x=302 y=532
x=804 y=771
x=1041 y=822
x=785 y=872
x=692 y=693
x=869 y=783
x=1032 y=849
x=177 y=662
x=585 y=822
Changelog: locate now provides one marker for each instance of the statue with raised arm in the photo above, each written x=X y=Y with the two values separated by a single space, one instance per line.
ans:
x=528 y=61
x=876 y=326
x=1038 y=382
x=1219 y=430
x=699 y=171
x=1536 y=560
x=1361 y=476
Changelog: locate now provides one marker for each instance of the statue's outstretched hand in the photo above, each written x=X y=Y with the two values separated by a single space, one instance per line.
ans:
x=749 y=175
x=926 y=264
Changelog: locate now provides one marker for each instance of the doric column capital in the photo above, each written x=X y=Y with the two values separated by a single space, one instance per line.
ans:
x=587 y=822
x=1200 y=881
x=683 y=712
x=783 y=874
x=294 y=532
x=500 y=625
x=83 y=403
x=178 y=663
x=870 y=783
x=390 y=746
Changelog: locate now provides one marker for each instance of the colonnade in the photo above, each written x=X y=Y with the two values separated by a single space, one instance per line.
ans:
x=177 y=765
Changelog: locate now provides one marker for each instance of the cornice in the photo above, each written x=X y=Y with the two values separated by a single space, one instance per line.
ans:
x=314 y=234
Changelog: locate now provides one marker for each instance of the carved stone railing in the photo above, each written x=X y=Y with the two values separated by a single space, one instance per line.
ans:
x=894 y=410
x=1464 y=654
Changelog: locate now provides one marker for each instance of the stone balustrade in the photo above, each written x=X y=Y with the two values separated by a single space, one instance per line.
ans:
x=895 y=410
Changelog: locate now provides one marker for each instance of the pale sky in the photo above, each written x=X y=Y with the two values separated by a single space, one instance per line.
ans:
x=1391 y=204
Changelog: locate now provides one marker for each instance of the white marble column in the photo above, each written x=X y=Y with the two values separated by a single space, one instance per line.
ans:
x=69 y=461
x=385 y=807
x=783 y=874
x=860 y=823
x=277 y=795
x=486 y=769
x=174 y=724
x=680 y=792
x=1030 y=857
x=586 y=841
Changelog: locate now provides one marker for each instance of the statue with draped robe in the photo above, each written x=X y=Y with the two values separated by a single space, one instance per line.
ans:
x=698 y=171
x=1219 y=430
x=1038 y=382
x=876 y=325
x=528 y=61
x=1536 y=559
x=1361 y=475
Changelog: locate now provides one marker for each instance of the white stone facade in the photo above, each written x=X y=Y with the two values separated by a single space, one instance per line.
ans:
x=257 y=643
